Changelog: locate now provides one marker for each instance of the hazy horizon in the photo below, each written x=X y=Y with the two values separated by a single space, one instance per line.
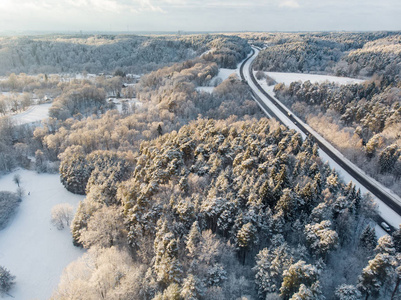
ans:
x=197 y=16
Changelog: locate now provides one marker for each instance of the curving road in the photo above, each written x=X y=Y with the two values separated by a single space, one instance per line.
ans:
x=277 y=110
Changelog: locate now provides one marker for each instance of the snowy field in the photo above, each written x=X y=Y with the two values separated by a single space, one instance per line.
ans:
x=34 y=113
x=279 y=77
x=287 y=78
x=30 y=247
x=221 y=76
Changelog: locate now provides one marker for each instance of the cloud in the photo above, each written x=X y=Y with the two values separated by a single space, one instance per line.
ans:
x=112 y=6
x=289 y=4
x=199 y=15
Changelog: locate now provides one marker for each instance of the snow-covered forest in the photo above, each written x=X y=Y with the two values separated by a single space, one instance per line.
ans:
x=342 y=54
x=362 y=120
x=196 y=195
x=107 y=53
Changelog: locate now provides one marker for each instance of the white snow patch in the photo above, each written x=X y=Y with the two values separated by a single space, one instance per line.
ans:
x=207 y=89
x=81 y=76
x=32 y=114
x=30 y=247
x=225 y=73
x=287 y=78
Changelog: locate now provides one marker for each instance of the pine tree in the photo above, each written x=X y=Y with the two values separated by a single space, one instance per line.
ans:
x=270 y=265
x=375 y=275
x=397 y=239
x=385 y=244
x=348 y=292
x=246 y=238
x=321 y=238
x=166 y=263
x=6 y=280
x=298 y=275
x=192 y=288
x=193 y=239
x=368 y=239
x=388 y=157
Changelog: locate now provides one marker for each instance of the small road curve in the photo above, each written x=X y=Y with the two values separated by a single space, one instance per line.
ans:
x=274 y=108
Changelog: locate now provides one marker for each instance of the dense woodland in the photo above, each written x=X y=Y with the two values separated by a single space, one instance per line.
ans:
x=362 y=120
x=210 y=208
x=342 y=54
x=195 y=195
x=107 y=53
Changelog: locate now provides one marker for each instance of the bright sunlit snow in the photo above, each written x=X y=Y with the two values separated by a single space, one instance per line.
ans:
x=287 y=78
x=30 y=247
x=221 y=76
x=32 y=114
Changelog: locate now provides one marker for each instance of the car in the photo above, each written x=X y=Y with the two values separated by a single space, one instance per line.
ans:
x=385 y=226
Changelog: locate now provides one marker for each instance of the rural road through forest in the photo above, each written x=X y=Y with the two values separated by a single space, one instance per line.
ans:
x=389 y=203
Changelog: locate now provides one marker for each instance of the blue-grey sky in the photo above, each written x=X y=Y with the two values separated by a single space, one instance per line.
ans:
x=199 y=15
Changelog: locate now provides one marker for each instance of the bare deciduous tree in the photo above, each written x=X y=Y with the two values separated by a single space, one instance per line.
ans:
x=62 y=215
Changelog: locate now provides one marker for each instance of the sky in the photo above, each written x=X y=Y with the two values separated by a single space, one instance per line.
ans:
x=199 y=15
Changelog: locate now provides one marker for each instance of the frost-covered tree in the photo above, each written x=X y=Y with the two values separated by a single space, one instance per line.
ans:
x=376 y=275
x=166 y=265
x=172 y=292
x=193 y=239
x=8 y=205
x=270 y=265
x=105 y=228
x=299 y=278
x=61 y=215
x=388 y=158
x=246 y=238
x=102 y=273
x=192 y=288
x=6 y=280
x=368 y=239
x=348 y=292
x=397 y=239
x=321 y=239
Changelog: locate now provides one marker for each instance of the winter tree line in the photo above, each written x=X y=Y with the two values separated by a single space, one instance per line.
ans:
x=106 y=53
x=75 y=100
x=196 y=196
x=341 y=54
x=79 y=98
x=362 y=120
x=222 y=210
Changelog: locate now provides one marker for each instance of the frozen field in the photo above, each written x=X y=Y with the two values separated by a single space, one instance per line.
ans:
x=221 y=76
x=30 y=247
x=287 y=78
x=32 y=114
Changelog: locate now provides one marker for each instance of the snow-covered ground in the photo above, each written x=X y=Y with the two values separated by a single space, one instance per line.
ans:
x=221 y=76
x=287 y=78
x=132 y=103
x=207 y=89
x=30 y=247
x=388 y=214
x=32 y=114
